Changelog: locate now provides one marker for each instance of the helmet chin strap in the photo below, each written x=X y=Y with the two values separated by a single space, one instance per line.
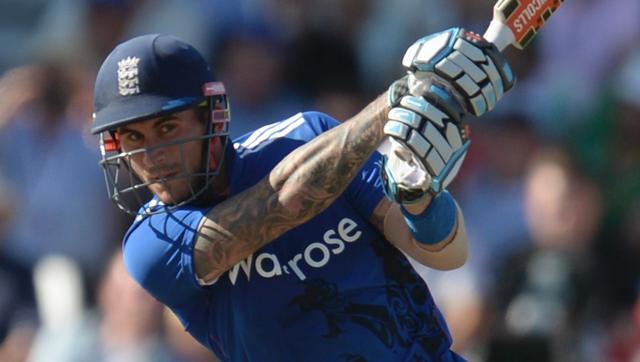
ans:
x=213 y=163
x=206 y=185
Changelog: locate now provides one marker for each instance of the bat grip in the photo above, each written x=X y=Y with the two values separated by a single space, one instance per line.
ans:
x=499 y=34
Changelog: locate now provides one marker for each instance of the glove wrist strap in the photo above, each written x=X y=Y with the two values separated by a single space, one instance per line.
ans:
x=436 y=222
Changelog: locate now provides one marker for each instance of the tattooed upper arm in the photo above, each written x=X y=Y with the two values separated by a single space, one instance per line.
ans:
x=237 y=227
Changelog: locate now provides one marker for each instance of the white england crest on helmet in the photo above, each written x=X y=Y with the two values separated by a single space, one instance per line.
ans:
x=128 y=83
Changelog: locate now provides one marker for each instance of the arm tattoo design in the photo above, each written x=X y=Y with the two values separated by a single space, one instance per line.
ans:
x=301 y=186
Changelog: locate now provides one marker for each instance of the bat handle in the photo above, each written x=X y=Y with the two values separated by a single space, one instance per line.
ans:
x=499 y=34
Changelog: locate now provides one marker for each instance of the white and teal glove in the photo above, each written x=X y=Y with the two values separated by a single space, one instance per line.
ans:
x=450 y=74
x=429 y=141
x=476 y=70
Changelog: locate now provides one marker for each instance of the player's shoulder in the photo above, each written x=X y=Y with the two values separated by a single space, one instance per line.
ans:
x=256 y=153
x=301 y=127
x=155 y=220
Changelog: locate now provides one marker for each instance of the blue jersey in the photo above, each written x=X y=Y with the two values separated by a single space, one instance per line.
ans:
x=331 y=289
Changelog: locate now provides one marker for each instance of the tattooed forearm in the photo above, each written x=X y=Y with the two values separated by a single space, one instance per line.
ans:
x=310 y=178
x=301 y=186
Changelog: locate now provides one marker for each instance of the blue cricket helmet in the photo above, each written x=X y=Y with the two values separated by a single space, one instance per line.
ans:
x=145 y=77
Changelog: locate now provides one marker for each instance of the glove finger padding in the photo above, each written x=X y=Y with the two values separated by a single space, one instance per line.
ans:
x=432 y=128
x=474 y=67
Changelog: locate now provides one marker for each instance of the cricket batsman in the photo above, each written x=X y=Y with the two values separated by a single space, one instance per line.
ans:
x=281 y=245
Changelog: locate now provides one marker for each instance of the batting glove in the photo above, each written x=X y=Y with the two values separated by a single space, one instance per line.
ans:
x=429 y=141
x=464 y=60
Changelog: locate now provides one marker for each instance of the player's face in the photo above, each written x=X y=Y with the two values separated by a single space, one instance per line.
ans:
x=167 y=163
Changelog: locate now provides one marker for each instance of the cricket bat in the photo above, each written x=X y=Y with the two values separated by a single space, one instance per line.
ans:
x=516 y=22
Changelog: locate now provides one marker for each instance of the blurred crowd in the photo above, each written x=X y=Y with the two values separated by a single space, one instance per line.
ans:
x=550 y=188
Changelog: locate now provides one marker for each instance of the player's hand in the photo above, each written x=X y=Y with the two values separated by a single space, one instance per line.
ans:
x=474 y=67
x=429 y=140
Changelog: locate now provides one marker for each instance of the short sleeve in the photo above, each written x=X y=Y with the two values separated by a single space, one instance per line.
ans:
x=158 y=253
x=365 y=191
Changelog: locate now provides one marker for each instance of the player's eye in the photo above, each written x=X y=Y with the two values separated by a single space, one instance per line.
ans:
x=167 y=128
x=130 y=139
x=132 y=136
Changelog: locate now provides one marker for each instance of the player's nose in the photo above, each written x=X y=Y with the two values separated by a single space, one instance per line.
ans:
x=156 y=149
x=155 y=157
